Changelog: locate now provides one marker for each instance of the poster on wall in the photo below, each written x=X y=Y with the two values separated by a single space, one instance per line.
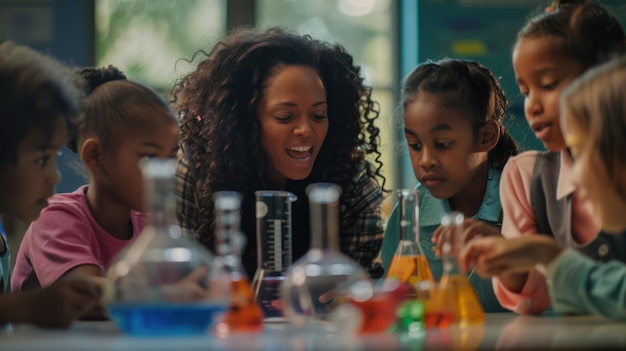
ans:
x=27 y=24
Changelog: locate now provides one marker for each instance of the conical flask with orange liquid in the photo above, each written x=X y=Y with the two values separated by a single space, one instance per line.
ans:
x=244 y=313
x=409 y=264
x=455 y=291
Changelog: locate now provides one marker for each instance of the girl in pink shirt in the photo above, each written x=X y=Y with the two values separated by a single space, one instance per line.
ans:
x=80 y=233
x=536 y=189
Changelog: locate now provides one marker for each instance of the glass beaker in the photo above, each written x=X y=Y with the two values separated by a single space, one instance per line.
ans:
x=244 y=314
x=454 y=289
x=164 y=283
x=313 y=284
x=274 y=248
x=409 y=264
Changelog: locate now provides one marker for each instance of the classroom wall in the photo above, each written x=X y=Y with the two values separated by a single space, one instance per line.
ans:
x=483 y=30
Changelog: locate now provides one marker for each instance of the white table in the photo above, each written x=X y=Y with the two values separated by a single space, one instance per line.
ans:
x=500 y=331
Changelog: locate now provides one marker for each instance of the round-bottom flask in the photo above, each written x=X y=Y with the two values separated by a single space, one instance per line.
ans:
x=164 y=283
x=315 y=282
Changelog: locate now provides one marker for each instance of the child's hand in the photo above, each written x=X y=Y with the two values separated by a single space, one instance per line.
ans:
x=495 y=256
x=472 y=228
x=61 y=303
x=189 y=288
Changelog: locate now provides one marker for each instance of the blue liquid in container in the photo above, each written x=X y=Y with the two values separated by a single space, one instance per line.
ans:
x=161 y=319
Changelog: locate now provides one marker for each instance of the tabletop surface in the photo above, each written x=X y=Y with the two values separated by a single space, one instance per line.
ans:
x=499 y=332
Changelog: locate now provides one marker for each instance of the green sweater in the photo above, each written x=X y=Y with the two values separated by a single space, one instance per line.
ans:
x=580 y=285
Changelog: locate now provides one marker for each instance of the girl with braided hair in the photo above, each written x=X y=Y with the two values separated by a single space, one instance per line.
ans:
x=458 y=145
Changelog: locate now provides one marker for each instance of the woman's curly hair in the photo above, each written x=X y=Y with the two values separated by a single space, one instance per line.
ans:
x=220 y=132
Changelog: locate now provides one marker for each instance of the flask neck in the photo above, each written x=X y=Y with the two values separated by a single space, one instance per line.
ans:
x=229 y=239
x=408 y=208
x=452 y=234
x=161 y=203
x=324 y=226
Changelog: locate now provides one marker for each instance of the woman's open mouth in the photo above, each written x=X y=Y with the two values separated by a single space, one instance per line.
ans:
x=300 y=153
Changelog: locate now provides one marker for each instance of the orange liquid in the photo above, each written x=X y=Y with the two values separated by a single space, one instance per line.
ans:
x=244 y=314
x=410 y=269
x=458 y=294
x=438 y=319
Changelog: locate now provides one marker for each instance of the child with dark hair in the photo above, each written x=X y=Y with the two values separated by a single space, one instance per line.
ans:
x=458 y=145
x=593 y=121
x=38 y=96
x=537 y=192
x=275 y=110
x=80 y=233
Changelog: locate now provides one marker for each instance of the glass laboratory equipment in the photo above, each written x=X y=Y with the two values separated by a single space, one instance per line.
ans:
x=409 y=264
x=274 y=249
x=376 y=303
x=454 y=289
x=164 y=283
x=314 y=284
x=244 y=314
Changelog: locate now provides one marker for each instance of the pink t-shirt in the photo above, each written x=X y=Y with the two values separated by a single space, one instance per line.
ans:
x=519 y=219
x=63 y=237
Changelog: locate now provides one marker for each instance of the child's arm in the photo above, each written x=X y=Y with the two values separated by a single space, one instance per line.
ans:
x=507 y=258
x=524 y=293
x=497 y=256
x=93 y=274
x=56 y=306
x=61 y=242
x=472 y=228
x=578 y=285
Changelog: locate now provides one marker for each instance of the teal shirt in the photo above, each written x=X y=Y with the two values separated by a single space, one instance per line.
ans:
x=5 y=264
x=431 y=210
x=581 y=285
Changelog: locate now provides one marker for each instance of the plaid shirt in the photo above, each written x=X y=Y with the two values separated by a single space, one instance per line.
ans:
x=360 y=220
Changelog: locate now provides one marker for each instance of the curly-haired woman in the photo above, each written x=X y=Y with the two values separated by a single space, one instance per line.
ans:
x=277 y=110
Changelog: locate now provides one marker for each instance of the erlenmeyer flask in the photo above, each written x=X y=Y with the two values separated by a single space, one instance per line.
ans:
x=244 y=314
x=274 y=249
x=455 y=290
x=164 y=283
x=315 y=281
x=409 y=264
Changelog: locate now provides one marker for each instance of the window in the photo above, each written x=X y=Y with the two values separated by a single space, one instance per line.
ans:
x=147 y=38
